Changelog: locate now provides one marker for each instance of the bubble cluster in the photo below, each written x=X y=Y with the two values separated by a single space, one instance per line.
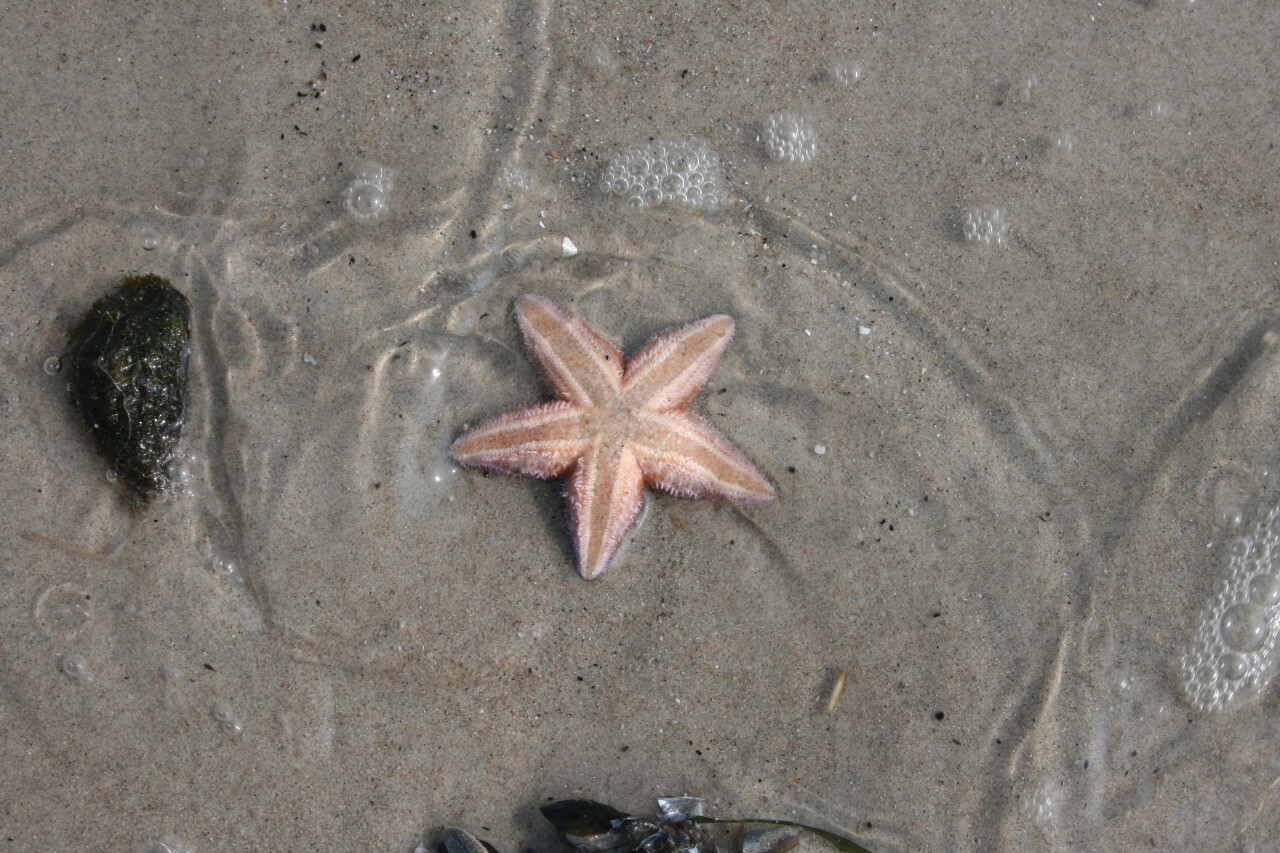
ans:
x=181 y=478
x=604 y=59
x=515 y=179
x=366 y=196
x=1042 y=804
x=988 y=225
x=1233 y=655
x=676 y=171
x=179 y=470
x=790 y=137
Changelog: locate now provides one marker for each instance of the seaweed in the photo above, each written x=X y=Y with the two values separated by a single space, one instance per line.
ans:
x=128 y=379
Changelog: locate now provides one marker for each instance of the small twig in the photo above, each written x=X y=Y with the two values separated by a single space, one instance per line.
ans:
x=60 y=544
x=837 y=688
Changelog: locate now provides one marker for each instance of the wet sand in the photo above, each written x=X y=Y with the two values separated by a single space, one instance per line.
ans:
x=1012 y=471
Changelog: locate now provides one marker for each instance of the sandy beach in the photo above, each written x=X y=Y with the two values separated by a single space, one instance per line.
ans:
x=1004 y=282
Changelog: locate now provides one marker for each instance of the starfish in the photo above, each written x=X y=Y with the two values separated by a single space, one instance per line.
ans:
x=615 y=425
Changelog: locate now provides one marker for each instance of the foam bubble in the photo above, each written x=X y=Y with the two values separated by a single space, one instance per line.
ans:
x=226 y=718
x=987 y=225
x=1065 y=141
x=1264 y=589
x=366 y=197
x=1028 y=88
x=179 y=472
x=63 y=610
x=604 y=59
x=1234 y=666
x=366 y=201
x=1041 y=805
x=165 y=844
x=683 y=172
x=1233 y=653
x=76 y=668
x=790 y=137
x=1244 y=626
x=514 y=179
x=846 y=73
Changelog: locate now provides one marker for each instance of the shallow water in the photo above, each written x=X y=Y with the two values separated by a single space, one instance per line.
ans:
x=1021 y=453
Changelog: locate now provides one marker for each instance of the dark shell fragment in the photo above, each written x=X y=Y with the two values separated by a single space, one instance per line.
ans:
x=128 y=379
x=680 y=827
x=460 y=841
x=591 y=827
x=585 y=825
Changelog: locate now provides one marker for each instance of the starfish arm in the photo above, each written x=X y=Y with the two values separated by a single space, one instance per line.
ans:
x=603 y=494
x=533 y=441
x=675 y=364
x=684 y=455
x=578 y=364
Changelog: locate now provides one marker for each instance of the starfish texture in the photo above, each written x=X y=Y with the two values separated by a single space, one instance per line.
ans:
x=615 y=425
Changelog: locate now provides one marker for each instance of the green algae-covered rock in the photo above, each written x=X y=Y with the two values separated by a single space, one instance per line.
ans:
x=128 y=379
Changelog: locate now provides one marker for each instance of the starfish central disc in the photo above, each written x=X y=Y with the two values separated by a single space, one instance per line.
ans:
x=615 y=425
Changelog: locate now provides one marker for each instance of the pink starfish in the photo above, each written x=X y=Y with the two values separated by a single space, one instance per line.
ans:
x=615 y=425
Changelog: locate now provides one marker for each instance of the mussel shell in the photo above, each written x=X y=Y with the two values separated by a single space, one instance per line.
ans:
x=587 y=826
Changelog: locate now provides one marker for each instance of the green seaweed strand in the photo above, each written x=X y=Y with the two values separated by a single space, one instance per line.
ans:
x=845 y=845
